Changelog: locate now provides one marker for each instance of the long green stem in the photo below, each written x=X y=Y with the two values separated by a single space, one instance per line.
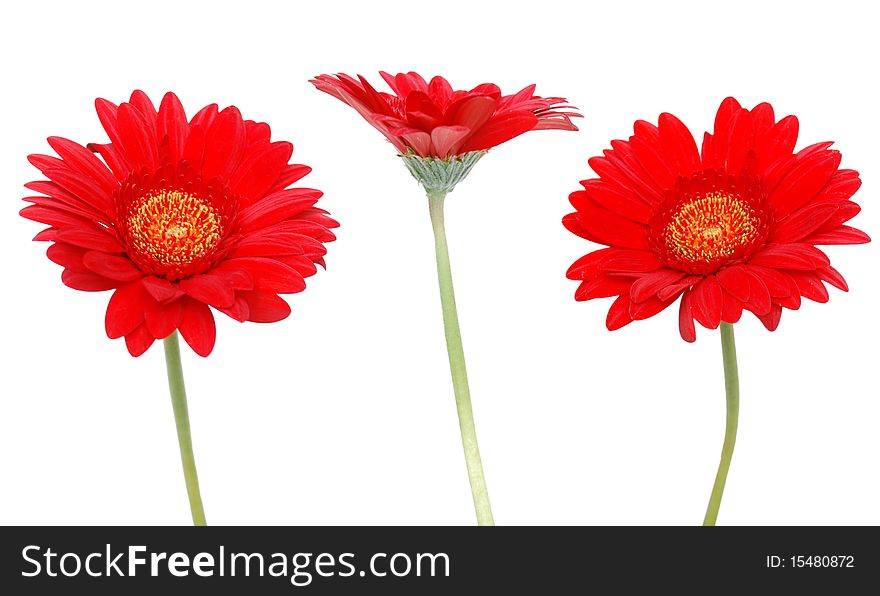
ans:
x=181 y=419
x=457 y=366
x=731 y=385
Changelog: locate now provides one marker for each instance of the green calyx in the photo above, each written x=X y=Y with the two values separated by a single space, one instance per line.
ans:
x=441 y=175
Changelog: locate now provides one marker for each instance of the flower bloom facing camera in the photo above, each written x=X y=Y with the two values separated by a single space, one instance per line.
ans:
x=181 y=216
x=730 y=228
x=440 y=134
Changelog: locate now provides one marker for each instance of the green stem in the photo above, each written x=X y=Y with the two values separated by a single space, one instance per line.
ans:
x=181 y=419
x=731 y=385
x=457 y=366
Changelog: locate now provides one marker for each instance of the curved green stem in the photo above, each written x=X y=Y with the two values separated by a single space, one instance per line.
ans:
x=455 y=349
x=181 y=419
x=731 y=385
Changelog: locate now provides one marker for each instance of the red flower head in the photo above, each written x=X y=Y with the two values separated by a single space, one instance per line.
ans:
x=179 y=216
x=433 y=120
x=732 y=227
x=441 y=133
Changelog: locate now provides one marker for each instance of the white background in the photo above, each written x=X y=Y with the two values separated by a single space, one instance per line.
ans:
x=344 y=413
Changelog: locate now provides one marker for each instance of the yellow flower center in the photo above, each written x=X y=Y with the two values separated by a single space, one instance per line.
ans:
x=711 y=227
x=173 y=227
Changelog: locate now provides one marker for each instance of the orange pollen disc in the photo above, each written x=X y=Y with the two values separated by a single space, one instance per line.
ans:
x=173 y=227
x=711 y=227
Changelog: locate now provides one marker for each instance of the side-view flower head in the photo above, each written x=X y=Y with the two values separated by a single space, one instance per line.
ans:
x=433 y=120
x=177 y=217
x=732 y=227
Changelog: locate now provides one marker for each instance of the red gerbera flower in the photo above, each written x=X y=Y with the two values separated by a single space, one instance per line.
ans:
x=440 y=135
x=179 y=216
x=730 y=228
x=433 y=120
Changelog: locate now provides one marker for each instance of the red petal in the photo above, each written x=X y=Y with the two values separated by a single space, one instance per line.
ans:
x=650 y=307
x=90 y=238
x=833 y=276
x=47 y=235
x=606 y=227
x=253 y=180
x=686 y=319
x=278 y=207
x=142 y=102
x=194 y=147
x=421 y=113
x=69 y=257
x=771 y=320
x=265 y=307
x=161 y=289
x=204 y=117
x=84 y=161
x=290 y=174
x=238 y=311
x=87 y=282
x=629 y=261
x=706 y=302
x=810 y=285
x=237 y=279
x=803 y=182
x=621 y=181
x=684 y=284
x=125 y=311
x=842 y=235
x=603 y=287
x=762 y=118
x=587 y=266
x=209 y=289
x=678 y=144
x=621 y=168
x=51 y=216
x=162 y=319
x=80 y=186
x=471 y=112
x=500 y=130
x=776 y=143
x=107 y=112
x=613 y=199
x=417 y=140
x=113 y=157
x=573 y=225
x=139 y=341
x=75 y=208
x=716 y=155
x=618 y=314
x=759 y=296
x=303 y=265
x=803 y=222
x=116 y=267
x=649 y=285
x=197 y=327
x=735 y=281
x=791 y=256
x=139 y=142
x=224 y=146
x=731 y=309
x=446 y=139
x=778 y=283
x=270 y=275
x=270 y=245
x=172 y=127
x=650 y=155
